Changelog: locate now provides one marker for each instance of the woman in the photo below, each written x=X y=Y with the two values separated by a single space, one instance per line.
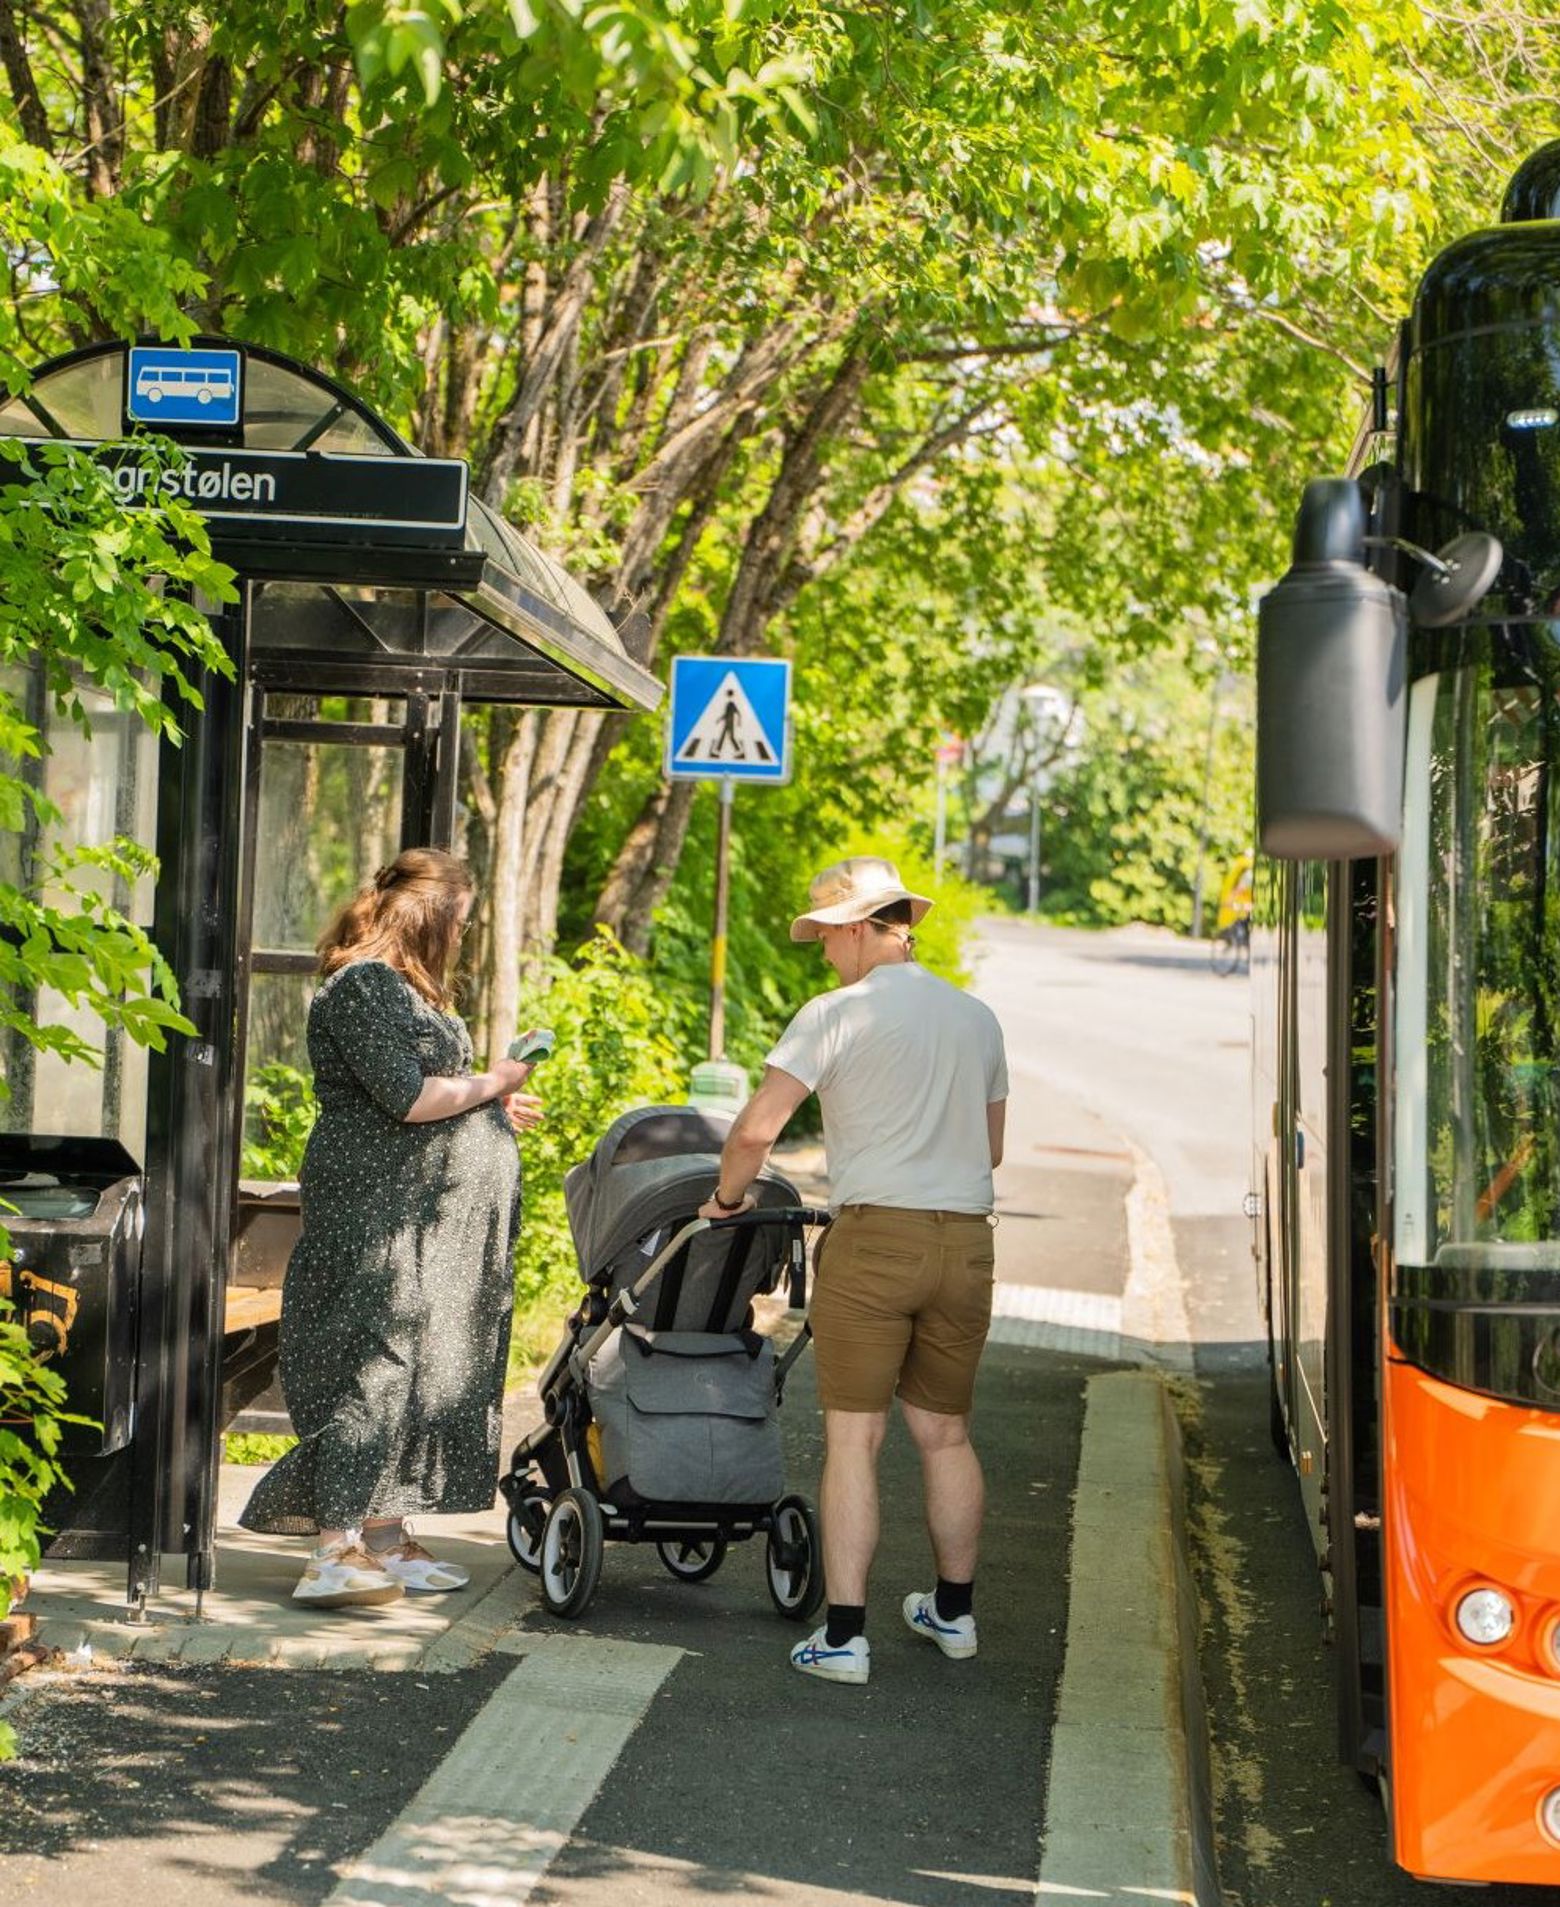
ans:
x=397 y=1302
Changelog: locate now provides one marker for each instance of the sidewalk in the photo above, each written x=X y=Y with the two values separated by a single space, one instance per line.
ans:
x=663 y=1743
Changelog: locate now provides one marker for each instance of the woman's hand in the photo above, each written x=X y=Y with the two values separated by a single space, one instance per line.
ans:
x=511 y=1075
x=524 y=1110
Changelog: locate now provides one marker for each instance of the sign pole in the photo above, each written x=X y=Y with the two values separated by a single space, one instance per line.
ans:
x=940 y=847
x=728 y=790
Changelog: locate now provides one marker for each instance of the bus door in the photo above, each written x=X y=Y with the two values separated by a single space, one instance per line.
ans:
x=1298 y=1238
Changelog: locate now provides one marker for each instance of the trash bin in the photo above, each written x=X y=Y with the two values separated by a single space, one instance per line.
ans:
x=74 y=1270
x=718 y=1085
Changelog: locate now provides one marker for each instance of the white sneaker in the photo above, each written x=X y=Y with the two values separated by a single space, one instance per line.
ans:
x=955 y=1638
x=346 y=1577
x=416 y=1570
x=849 y=1662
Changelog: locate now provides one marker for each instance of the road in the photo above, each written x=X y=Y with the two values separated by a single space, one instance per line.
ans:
x=1138 y=1028
x=734 y=1778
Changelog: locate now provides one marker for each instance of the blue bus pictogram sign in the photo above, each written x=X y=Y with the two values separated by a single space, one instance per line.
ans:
x=167 y=385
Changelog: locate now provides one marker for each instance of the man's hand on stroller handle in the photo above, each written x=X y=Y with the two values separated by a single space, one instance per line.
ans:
x=712 y=1207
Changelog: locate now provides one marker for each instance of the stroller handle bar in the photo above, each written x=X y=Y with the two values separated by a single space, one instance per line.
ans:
x=626 y=1303
x=774 y=1215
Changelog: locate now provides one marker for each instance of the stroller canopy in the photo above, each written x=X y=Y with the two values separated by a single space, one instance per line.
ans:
x=652 y=1167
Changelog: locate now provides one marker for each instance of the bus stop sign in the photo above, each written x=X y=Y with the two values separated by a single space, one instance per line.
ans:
x=730 y=719
x=165 y=384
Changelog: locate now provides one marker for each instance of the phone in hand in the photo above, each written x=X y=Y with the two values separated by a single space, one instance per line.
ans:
x=533 y=1047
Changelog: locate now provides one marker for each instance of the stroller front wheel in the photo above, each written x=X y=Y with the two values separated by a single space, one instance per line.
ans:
x=571 y=1553
x=793 y=1559
x=527 y=1520
x=694 y=1560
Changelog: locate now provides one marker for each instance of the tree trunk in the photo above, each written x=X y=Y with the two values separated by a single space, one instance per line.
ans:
x=506 y=895
x=643 y=871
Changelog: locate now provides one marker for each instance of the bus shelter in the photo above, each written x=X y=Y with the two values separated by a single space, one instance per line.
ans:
x=377 y=599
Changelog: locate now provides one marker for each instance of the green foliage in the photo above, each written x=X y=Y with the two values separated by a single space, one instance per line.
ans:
x=280 y=1110
x=255 y=1448
x=90 y=597
x=613 y=1053
x=1121 y=827
x=92 y=606
x=32 y=1415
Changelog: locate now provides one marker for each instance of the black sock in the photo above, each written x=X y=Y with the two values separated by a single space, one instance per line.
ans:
x=847 y=1620
x=954 y=1600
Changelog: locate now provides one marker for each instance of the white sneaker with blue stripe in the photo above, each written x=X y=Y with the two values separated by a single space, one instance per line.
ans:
x=849 y=1662
x=955 y=1638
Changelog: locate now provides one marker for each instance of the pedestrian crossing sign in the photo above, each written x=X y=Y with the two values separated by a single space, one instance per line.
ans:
x=730 y=719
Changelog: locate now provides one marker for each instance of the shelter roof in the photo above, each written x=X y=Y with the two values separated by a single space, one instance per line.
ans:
x=367 y=602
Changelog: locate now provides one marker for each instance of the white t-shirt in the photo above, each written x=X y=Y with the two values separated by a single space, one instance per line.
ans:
x=904 y=1066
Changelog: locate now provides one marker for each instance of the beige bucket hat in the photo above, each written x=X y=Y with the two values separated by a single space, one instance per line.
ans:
x=851 y=890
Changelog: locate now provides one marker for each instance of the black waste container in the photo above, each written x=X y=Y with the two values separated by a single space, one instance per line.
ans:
x=74 y=1272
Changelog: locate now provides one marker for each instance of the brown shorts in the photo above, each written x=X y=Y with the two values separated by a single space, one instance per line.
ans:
x=902 y=1302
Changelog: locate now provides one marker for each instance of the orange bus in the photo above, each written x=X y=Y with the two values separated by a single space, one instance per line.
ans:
x=1406 y=989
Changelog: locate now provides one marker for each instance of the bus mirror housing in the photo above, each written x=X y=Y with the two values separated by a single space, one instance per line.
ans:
x=1331 y=700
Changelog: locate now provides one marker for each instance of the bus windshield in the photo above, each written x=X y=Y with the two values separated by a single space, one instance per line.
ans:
x=1477 y=1129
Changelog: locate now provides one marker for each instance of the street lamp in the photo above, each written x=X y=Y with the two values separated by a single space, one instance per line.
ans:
x=1221 y=682
x=1047 y=705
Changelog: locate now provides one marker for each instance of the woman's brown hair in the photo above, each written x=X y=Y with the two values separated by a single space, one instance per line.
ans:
x=409 y=916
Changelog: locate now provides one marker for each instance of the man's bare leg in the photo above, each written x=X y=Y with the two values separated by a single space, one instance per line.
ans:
x=954 y=1487
x=848 y=1500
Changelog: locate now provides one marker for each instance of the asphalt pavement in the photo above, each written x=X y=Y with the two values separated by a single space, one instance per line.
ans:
x=727 y=1774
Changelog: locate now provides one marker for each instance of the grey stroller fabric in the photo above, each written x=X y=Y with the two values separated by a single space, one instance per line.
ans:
x=685 y=1395
x=688 y=1417
x=653 y=1167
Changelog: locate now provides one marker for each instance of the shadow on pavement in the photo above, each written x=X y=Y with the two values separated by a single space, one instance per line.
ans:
x=217 y=1784
x=922 y=1788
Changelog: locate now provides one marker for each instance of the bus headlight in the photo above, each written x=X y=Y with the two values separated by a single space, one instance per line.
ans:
x=1485 y=1617
x=1549 y=1814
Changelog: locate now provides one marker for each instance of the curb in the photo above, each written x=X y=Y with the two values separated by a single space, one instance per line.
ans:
x=1128 y=1807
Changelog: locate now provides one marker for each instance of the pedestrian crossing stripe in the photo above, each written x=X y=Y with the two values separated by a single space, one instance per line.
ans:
x=729 y=719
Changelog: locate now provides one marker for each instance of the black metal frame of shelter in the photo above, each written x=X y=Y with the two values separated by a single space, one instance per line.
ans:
x=428 y=612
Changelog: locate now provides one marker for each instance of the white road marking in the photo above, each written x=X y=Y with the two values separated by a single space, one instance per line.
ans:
x=488 y=1822
x=1043 y=1318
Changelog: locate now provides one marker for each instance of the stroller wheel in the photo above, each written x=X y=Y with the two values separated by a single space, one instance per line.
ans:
x=571 y=1553
x=794 y=1559
x=527 y=1519
x=693 y=1560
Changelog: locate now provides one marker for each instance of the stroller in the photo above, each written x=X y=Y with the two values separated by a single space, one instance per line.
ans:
x=660 y=1403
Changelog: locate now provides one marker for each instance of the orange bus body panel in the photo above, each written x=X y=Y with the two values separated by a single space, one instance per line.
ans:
x=1473 y=1498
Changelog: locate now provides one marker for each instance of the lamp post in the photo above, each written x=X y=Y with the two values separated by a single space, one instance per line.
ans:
x=1048 y=706
x=1220 y=682
x=949 y=751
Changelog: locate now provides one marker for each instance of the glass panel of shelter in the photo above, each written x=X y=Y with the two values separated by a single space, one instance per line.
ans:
x=96 y=781
x=338 y=788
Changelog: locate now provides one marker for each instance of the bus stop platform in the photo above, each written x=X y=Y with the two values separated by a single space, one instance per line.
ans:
x=662 y=1745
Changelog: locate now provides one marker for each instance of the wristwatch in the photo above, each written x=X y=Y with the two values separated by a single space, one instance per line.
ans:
x=734 y=1206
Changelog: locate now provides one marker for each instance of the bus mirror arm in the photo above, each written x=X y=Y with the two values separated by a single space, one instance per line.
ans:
x=1456 y=578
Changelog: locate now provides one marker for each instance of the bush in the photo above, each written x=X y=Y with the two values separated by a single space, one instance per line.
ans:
x=32 y=1414
x=280 y=1110
x=613 y=1053
x=255 y=1447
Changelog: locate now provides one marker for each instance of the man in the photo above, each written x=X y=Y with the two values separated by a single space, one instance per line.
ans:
x=912 y=1081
